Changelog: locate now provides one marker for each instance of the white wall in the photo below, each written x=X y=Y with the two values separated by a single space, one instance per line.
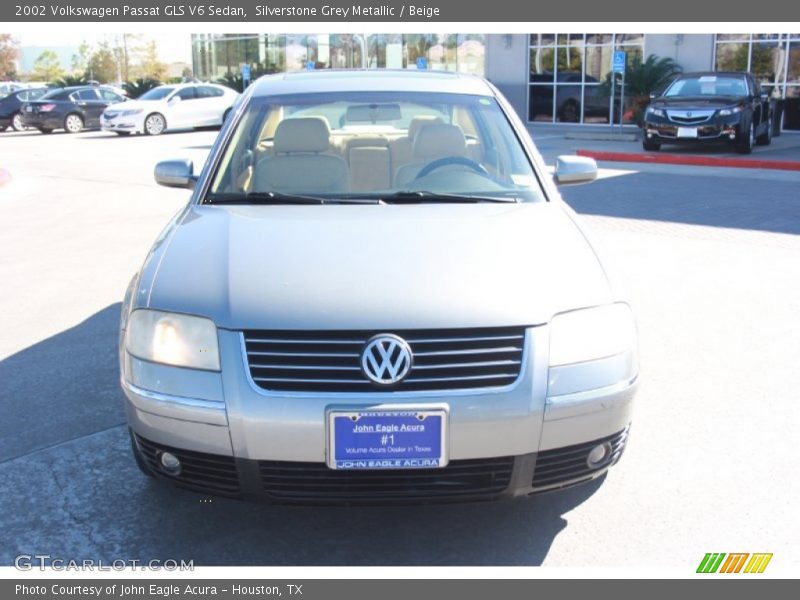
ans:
x=692 y=51
x=507 y=67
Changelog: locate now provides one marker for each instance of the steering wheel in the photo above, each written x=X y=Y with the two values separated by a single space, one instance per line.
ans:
x=452 y=160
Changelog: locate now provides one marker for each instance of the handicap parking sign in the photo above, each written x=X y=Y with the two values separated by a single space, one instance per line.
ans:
x=422 y=62
x=310 y=65
x=619 y=61
x=246 y=72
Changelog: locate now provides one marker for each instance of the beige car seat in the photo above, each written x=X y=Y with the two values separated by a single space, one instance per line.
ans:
x=299 y=163
x=434 y=141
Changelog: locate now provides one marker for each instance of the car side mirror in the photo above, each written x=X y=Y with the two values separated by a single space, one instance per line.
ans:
x=572 y=170
x=174 y=100
x=176 y=174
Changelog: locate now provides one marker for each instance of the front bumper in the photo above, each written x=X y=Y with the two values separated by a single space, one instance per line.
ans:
x=120 y=124
x=272 y=445
x=716 y=129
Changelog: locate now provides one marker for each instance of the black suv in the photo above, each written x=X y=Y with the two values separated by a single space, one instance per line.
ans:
x=710 y=107
x=70 y=108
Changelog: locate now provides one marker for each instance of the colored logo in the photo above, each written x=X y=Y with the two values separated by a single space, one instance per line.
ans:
x=737 y=562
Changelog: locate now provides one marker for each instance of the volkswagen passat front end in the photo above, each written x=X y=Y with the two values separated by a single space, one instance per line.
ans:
x=375 y=294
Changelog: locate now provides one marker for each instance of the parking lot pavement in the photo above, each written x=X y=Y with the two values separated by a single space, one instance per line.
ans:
x=711 y=263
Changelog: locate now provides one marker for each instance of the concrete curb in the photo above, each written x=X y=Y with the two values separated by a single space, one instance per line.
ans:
x=687 y=159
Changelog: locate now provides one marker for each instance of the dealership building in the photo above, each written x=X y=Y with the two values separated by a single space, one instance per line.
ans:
x=549 y=78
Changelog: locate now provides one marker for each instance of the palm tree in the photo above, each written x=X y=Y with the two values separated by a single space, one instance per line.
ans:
x=140 y=86
x=70 y=80
x=642 y=78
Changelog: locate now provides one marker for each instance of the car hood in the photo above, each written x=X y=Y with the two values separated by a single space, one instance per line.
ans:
x=376 y=266
x=699 y=103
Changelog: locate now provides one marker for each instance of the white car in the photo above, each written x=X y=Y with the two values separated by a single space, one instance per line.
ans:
x=169 y=107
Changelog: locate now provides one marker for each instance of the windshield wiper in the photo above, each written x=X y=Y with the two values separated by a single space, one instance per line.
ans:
x=263 y=198
x=420 y=197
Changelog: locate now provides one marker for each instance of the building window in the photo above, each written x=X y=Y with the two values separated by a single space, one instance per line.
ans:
x=570 y=75
x=773 y=58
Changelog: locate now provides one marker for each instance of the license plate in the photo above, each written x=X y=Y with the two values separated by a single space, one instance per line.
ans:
x=687 y=132
x=387 y=439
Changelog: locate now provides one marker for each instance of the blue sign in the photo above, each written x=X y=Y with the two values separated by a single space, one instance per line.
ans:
x=619 y=62
x=387 y=440
x=310 y=65
x=422 y=63
x=246 y=72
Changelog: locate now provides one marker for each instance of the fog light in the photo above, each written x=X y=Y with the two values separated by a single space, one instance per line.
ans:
x=599 y=454
x=170 y=463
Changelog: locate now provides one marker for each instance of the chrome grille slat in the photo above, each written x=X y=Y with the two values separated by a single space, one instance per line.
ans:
x=330 y=361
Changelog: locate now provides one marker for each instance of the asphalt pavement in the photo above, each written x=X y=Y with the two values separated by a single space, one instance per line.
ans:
x=709 y=257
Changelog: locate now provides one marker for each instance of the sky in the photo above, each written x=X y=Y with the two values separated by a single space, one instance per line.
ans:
x=172 y=47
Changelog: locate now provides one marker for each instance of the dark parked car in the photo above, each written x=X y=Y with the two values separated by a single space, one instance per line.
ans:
x=567 y=97
x=710 y=107
x=70 y=108
x=11 y=107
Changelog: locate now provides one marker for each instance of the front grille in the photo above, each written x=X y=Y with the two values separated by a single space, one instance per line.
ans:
x=569 y=464
x=201 y=472
x=111 y=114
x=684 y=118
x=330 y=361
x=309 y=482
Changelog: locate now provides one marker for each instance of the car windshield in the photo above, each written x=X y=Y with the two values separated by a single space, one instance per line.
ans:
x=158 y=93
x=375 y=145
x=707 y=85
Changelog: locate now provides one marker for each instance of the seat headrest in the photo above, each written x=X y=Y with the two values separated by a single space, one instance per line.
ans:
x=438 y=140
x=303 y=134
x=418 y=123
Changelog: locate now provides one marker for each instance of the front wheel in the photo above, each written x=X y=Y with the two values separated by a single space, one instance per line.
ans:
x=155 y=124
x=765 y=139
x=650 y=145
x=747 y=141
x=73 y=123
x=17 y=123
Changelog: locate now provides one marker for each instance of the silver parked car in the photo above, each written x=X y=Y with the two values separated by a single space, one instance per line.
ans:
x=375 y=294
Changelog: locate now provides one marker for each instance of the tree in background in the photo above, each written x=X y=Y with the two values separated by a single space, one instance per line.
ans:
x=140 y=86
x=150 y=67
x=80 y=61
x=102 y=65
x=69 y=80
x=9 y=53
x=641 y=78
x=47 y=67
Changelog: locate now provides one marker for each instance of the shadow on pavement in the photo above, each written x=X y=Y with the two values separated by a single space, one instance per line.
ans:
x=696 y=200
x=65 y=451
x=64 y=387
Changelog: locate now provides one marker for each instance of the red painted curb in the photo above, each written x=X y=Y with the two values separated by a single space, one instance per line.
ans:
x=687 y=159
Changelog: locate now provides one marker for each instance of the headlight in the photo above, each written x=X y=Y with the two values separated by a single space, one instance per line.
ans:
x=726 y=112
x=591 y=334
x=173 y=339
x=128 y=113
x=655 y=111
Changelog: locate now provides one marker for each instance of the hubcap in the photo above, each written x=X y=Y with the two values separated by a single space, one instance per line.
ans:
x=154 y=125
x=16 y=123
x=752 y=134
x=73 y=123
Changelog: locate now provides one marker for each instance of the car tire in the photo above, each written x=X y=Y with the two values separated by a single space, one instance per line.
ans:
x=765 y=139
x=155 y=124
x=650 y=145
x=569 y=113
x=17 y=124
x=745 y=145
x=140 y=462
x=73 y=123
x=45 y=130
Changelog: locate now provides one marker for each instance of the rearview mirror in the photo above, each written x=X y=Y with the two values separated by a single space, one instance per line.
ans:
x=174 y=100
x=176 y=174
x=575 y=169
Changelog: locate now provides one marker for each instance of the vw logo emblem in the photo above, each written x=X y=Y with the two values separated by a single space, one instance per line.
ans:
x=386 y=359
